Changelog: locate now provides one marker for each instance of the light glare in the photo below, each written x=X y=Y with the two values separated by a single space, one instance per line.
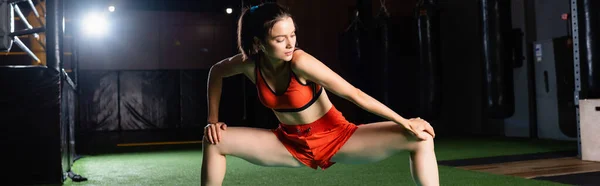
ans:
x=95 y=24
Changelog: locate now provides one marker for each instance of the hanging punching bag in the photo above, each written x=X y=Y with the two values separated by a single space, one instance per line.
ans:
x=429 y=77
x=350 y=48
x=381 y=56
x=591 y=16
x=498 y=81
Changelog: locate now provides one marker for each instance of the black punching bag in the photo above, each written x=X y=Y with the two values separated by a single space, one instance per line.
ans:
x=590 y=64
x=429 y=77
x=497 y=58
x=381 y=56
x=350 y=52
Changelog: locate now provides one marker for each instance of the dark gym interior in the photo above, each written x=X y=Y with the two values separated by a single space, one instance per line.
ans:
x=501 y=81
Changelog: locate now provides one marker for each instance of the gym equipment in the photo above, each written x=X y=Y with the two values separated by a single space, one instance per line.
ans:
x=429 y=73
x=553 y=64
x=8 y=35
x=497 y=58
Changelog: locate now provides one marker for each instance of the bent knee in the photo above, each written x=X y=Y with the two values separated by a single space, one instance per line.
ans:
x=207 y=146
x=412 y=142
x=424 y=145
x=206 y=141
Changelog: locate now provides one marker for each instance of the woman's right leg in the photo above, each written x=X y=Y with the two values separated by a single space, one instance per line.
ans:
x=257 y=146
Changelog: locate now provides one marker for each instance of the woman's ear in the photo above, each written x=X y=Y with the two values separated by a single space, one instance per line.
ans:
x=256 y=40
x=258 y=45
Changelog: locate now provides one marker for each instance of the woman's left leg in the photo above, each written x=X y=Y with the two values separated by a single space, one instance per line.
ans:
x=377 y=141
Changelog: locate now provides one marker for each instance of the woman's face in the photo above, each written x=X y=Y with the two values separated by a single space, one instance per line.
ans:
x=281 y=40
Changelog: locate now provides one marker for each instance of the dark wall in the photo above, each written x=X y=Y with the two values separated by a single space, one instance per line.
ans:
x=461 y=67
x=145 y=80
x=548 y=20
x=151 y=40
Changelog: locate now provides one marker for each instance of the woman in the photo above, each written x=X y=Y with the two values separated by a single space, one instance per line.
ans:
x=312 y=131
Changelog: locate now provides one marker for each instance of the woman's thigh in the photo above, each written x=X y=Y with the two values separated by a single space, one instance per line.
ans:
x=377 y=141
x=257 y=146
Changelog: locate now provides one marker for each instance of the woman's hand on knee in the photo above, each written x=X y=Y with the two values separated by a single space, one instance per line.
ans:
x=421 y=128
x=212 y=132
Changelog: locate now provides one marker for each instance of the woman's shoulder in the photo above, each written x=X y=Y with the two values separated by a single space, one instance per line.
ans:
x=301 y=57
x=298 y=51
x=238 y=63
x=242 y=60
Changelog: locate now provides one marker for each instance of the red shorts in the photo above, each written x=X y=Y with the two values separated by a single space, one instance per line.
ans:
x=315 y=143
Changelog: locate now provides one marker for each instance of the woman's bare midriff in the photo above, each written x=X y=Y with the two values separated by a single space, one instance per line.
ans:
x=318 y=109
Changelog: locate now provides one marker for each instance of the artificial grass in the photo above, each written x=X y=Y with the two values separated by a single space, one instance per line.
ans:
x=182 y=167
x=464 y=148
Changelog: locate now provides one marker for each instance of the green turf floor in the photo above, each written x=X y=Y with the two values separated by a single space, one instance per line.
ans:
x=182 y=167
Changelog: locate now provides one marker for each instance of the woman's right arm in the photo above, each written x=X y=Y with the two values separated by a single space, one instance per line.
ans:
x=224 y=68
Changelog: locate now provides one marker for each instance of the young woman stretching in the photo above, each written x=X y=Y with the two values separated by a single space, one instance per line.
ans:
x=312 y=132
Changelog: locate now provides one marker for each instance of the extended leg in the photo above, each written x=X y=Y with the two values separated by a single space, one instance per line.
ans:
x=257 y=146
x=377 y=141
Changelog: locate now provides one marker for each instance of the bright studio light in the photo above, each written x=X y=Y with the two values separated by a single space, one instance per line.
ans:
x=229 y=10
x=111 y=8
x=95 y=24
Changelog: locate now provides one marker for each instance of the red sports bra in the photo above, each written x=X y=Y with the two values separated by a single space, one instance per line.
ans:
x=296 y=97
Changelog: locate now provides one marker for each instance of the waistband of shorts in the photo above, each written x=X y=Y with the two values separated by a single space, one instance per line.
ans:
x=332 y=118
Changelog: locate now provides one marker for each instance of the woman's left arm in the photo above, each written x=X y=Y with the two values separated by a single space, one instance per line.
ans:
x=314 y=70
